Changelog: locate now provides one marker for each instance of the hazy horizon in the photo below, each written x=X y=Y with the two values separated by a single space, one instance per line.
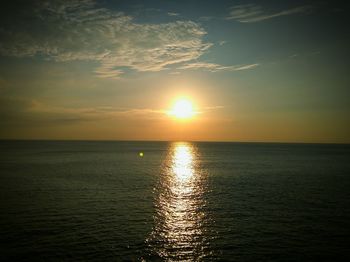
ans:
x=174 y=141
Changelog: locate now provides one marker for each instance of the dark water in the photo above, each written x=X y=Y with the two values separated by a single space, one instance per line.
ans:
x=101 y=201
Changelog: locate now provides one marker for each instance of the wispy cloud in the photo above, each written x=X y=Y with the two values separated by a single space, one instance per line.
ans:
x=91 y=113
x=251 y=13
x=245 y=67
x=80 y=30
x=32 y=110
x=173 y=14
x=208 y=108
x=35 y=111
x=212 y=67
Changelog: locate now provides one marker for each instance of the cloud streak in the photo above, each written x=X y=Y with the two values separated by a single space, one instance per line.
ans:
x=212 y=67
x=173 y=14
x=81 y=30
x=57 y=113
x=251 y=13
x=15 y=110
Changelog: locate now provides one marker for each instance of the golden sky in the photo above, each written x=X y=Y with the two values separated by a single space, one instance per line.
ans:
x=112 y=71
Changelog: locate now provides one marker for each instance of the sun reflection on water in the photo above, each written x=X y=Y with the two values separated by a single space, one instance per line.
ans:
x=178 y=233
x=182 y=163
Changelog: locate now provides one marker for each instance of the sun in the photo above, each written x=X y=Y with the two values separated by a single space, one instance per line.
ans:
x=182 y=109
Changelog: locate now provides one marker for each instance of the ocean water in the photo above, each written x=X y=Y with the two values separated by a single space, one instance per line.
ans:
x=183 y=201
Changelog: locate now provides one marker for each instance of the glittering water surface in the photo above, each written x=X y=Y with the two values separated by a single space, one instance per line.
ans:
x=178 y=232
x=103 y=201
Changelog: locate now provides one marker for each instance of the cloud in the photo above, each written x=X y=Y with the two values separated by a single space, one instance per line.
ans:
x=173 y=14
x=208 y=108
x=82 y=30
x=58 y=113
x=245 y=67
x=21 y=110
x=212 y=67
x=18 y=110
x=251 y=13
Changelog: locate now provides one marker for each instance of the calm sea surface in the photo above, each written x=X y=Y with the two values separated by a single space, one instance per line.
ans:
x=101 y=201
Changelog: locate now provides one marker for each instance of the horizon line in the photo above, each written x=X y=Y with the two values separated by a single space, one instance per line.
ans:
x=172 y=141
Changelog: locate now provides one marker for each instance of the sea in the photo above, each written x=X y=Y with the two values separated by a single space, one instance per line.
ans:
x=173 y=201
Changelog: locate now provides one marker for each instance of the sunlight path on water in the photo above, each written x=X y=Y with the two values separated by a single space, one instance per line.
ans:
x=179 y=233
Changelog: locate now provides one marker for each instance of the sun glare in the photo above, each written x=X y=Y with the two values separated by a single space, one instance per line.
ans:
x=182 y=109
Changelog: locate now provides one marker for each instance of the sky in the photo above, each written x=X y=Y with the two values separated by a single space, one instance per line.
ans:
x=268 y=71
